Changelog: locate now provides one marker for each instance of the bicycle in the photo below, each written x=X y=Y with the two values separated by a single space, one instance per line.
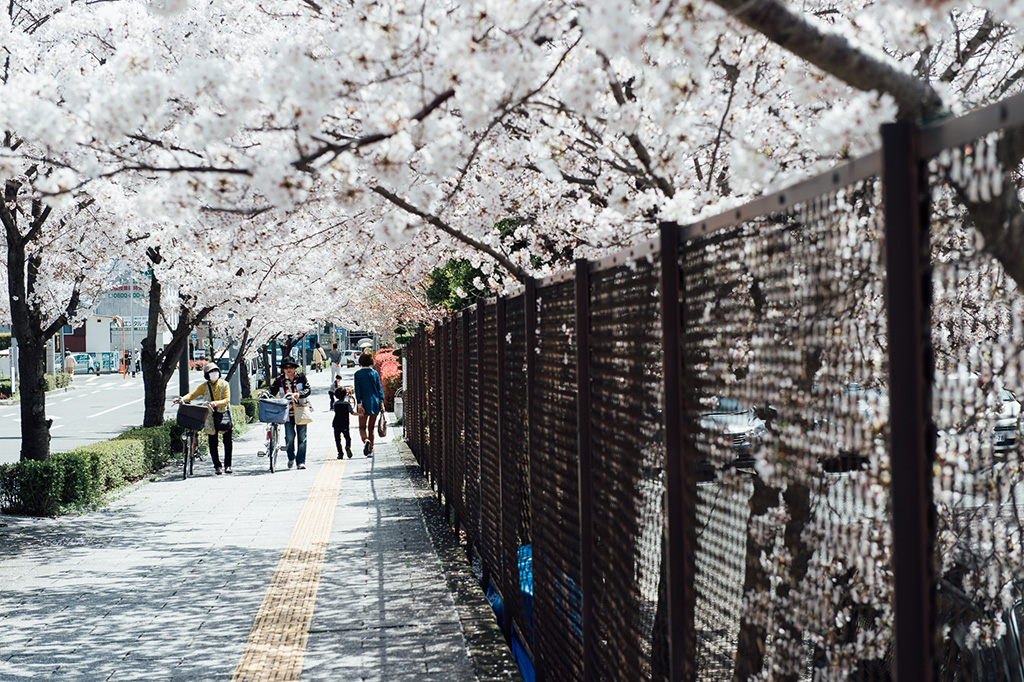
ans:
x=273 y=412
x=192 y=418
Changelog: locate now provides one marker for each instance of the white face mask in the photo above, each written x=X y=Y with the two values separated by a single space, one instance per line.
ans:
x=214 y=376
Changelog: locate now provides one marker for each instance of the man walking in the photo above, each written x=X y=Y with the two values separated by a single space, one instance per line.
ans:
x=335 y=356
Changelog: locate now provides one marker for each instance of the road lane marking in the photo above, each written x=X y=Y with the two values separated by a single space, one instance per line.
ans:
x=277 y=642
x=117 y=407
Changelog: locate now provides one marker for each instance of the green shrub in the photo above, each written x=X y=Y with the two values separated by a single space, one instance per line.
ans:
x=174 y=431
x=81 y=477
x=390 y=372
x=251 y=406
x=239 y=420
x=157 y=446
x=5 y=340
x=30 y=487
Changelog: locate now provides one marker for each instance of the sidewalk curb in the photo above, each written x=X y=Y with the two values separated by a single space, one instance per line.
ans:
x=492 y=659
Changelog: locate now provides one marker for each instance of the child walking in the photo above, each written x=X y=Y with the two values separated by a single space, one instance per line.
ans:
x=342 y=409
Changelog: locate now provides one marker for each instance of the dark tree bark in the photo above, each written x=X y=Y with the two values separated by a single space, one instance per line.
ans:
x=158 y=365
x=30 y=329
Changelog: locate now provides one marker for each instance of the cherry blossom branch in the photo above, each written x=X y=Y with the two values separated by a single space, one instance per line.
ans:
x=834 y=54
x=980 y=37
x=635 y=142
x=511 y=267
x=303 y=162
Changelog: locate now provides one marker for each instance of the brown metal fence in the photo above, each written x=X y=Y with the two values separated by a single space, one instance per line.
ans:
x=779 y=444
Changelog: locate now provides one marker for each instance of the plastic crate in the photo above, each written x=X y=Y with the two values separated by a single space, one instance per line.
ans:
x=192 y=417
x=273 y=410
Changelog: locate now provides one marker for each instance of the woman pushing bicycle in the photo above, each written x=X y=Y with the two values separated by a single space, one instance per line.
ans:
x=218 y=394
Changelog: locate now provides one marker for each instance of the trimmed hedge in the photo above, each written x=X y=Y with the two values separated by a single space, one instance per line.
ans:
x=81 y=477
x=251 y=407
x=53 y=381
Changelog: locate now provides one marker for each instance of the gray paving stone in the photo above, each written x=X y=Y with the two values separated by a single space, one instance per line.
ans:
x=164 y=582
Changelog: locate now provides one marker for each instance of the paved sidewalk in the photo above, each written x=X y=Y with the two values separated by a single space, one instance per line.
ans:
x=328 y=571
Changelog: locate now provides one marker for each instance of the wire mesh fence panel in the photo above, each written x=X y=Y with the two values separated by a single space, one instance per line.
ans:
x=472 y=387
x=785 y=347
x=459 y=418
x=977 y=336
x=515 y=472
x=554 y=487
x=628 y=468
x=445 y=379
x=433 y=416
x=411 y=378
x=490 y=464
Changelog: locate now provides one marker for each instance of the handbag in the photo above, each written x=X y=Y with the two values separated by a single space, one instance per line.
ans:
x=303 y=413
x=382 y=425
x=221 y=420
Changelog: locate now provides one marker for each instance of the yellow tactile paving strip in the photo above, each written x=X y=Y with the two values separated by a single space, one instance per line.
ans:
x=277 y=641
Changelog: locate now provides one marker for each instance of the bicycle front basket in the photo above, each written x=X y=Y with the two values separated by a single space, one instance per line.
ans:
x=192 y=417
x=273 y=410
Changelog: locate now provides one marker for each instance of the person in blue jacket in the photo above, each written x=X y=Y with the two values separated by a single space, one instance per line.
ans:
x=369 y=400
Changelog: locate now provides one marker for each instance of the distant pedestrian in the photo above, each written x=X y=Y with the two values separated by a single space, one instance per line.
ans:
x=218 y=394
x=70 y=364
x=342 y=409
x=369 y=398
x=335 y=356
x=319 y=358
x=136 y=362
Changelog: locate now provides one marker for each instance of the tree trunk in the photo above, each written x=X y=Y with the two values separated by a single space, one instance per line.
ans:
x=243 y=379
x=27 y=323
x=158 y=365
x=35 y=427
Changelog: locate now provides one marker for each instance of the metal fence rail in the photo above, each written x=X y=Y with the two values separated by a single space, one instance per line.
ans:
x=779 y=444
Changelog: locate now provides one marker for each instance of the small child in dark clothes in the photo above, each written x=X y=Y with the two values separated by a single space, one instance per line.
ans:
x=342 y=409
x=335 y=385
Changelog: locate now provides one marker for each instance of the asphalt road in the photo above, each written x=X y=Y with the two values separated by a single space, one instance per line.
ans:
x=98 y=408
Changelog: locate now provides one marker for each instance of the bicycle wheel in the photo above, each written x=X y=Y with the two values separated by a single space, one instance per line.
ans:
x=273 y=447
x=186 y=446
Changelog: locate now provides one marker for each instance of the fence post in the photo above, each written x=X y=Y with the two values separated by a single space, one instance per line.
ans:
x=911 y=368
x=680 y=491
x=583 y=444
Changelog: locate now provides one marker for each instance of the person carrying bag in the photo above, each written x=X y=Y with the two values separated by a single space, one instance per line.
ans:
x=295 y=388
x=218 y=394
x=370 y=398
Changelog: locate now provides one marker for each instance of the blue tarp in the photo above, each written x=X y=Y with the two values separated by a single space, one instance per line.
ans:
x=526 y=588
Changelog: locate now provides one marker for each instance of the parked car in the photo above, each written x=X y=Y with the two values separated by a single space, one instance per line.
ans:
x=352 y=357
x=739 y=425
x=85 y=363
x=1006 y=433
